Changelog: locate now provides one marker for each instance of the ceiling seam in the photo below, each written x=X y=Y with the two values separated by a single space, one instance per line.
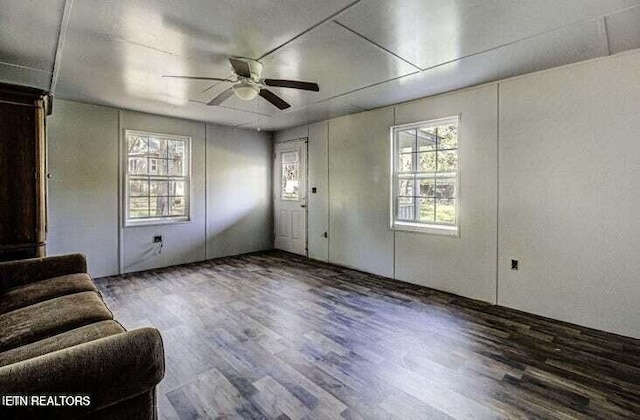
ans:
x=233 y=109
x=331 y=17
x=507 y=44
x=607 y=41
x=377 y=45
x=421 y=70
x=64 y=24
x=20 y=66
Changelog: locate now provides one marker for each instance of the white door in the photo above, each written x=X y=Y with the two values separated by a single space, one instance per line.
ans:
x=290 y=190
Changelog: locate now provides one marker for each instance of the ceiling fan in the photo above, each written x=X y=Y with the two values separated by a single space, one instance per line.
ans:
x=248 y=83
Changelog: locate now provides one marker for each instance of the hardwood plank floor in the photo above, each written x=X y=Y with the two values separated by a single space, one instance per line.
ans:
x=273 y=335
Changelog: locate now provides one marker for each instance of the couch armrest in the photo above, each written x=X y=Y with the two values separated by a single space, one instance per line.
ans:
x=109 y=370
x=17 y=273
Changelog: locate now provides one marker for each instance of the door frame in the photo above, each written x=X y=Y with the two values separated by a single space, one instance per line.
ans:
x=276 y=184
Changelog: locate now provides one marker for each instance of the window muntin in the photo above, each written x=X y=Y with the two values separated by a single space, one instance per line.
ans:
x=156 y=178
x=425 y=176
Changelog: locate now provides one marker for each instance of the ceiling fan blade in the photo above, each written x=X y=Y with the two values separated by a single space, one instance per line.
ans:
x=274 y=99
x=294 y=84
x=199 y=78
x=221 y=97
x=240 y=67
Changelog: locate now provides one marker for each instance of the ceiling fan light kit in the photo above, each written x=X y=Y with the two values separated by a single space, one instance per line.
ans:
x=246 y=90
x=249 y=84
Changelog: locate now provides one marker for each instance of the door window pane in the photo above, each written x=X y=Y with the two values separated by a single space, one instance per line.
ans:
x=290 y=176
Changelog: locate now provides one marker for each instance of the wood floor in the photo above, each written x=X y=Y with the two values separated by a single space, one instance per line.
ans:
x=272 y=335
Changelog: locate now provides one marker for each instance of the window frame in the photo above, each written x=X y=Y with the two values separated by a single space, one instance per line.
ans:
x=155 y=220
x=423 y=227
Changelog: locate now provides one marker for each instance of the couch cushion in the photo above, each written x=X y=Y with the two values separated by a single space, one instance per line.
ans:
x=61 y=341
x=51 y=317
x=39 y=291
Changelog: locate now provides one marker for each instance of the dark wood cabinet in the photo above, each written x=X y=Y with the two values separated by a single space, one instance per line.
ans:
x=23 y=214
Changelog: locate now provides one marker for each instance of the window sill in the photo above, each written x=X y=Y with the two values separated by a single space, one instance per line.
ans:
x=440 y=230
x=156 y=222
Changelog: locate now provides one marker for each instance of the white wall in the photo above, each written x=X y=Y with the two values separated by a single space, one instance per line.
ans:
x=569 y=194
x=83 y=189
x=550 y=174
x=359 y=166
x=318 y=202
x=83 y=193
x=239 y=201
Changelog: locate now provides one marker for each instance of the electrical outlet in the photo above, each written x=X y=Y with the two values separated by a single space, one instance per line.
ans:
x=157 y=239
x=514 y=265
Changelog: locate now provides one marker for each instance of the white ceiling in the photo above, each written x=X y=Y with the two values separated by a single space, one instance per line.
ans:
x=364 y=54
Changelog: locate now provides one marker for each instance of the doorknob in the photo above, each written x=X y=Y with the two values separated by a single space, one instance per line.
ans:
x=303 y=205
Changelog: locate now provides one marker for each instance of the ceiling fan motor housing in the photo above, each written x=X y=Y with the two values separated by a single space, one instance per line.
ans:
x=255 y=69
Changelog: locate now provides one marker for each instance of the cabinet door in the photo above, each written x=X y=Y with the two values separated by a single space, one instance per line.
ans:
x=18 y=181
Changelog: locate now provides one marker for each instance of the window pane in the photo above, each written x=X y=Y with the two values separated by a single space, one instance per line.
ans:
x=445 y=211
x=428 y=187
x=158 y=166
x=138 y=166
x=176 y=188
x=159 y=206
x=406 y=208
x=138 y=188
x=427 y=139
x=290 y=179
x=448 y=137
x=446 y=188
x=157 y=147
x=158 y=188
x=405 y=162
x=137 y=146
x=176 y=149
x=139 y=207
x=427 y=207
x=427 y=162
x=406 y=141
x=405 y=186
x=177 y=206
x=175 y=167
x=448 y=161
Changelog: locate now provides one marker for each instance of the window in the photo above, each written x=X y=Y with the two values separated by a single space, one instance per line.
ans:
x=425 y=177
x=156 y=178
x=290 y=176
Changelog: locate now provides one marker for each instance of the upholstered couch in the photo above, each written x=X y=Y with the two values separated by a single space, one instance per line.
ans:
x=58 y=338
